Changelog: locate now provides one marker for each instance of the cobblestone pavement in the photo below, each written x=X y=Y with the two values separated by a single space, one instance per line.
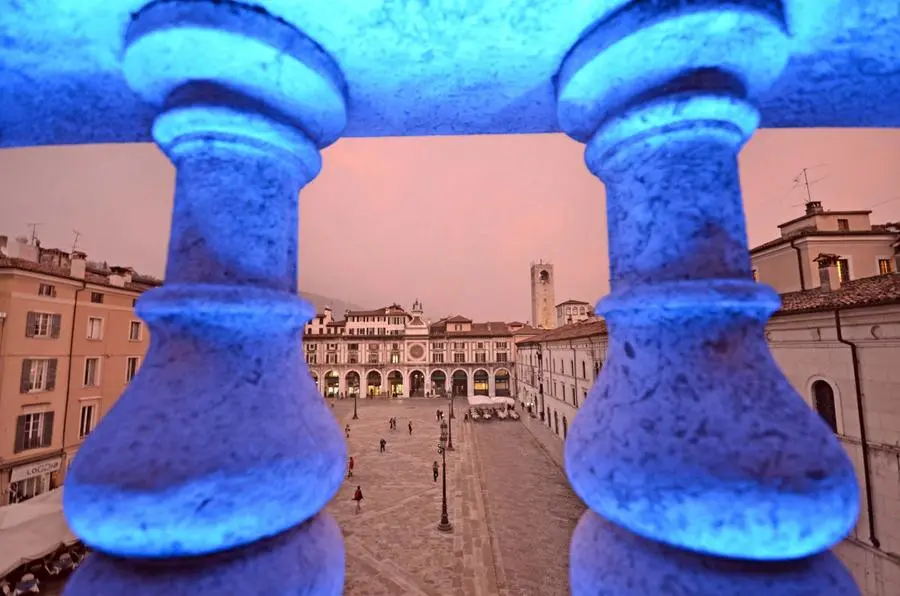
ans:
x=511 y=509
x=530 y=508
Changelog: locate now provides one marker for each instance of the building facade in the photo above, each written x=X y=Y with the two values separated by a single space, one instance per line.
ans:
x=389 y=352
x=69 y=344
x=788 y=263
x=573 y=311
x=543 y=295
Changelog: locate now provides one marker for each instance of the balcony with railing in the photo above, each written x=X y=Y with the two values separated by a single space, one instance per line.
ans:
x=728 y=484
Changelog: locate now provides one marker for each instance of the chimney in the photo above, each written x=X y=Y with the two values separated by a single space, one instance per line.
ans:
x=77 y=264
x=829 y=276
x=119 y=276
x=814 y=207
x=25 y=250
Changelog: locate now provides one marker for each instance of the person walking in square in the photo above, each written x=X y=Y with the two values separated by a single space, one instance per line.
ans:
x=358 y=497
x=382 y=444
x=347 y=431
x=410 y=427
x=350 y=468
x=434 y=470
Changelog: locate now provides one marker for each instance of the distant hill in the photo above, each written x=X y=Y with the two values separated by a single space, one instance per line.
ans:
x=337 y=306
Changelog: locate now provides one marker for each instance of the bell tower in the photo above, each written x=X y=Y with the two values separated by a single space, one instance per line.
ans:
x=543 y=298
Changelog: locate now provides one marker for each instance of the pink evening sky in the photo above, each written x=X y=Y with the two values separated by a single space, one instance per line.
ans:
x=454 y=222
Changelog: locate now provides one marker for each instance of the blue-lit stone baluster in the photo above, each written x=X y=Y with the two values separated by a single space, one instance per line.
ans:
x=703 y=470
x=209 y=474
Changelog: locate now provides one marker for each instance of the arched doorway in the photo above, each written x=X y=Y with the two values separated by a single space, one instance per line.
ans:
x=315 y=379
x=459 y=383
x=395 y=383
x=501 y=383
x=332 y=384
x=417 y=384
x=823 y=400
x=352 y=381
x=438 y=383
x=373 y=383
x=481 y=382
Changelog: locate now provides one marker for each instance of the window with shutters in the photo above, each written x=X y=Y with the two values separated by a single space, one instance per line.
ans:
x=97 y=297
x=33 y=431
x=131 y=368
x=42 y=324
x=95 y=328
x=38 y=374
x=458 y=358
x=88 y=419
x=134 y=331
x=91 y=372
x=501 y=357
x=331 y=358
x=46 y=290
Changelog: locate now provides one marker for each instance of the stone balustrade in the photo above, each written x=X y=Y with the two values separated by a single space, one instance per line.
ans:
x=703 y=471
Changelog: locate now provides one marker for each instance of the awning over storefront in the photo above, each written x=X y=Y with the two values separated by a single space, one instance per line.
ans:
x=32 y=529
x=483 y=401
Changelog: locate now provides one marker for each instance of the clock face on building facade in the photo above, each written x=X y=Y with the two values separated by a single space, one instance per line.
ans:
x=416 y=351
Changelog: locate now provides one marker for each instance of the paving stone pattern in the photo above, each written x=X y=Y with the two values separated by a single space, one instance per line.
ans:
x=511 y=508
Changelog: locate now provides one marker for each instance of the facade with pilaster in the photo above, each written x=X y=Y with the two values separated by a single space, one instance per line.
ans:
x=389 y=352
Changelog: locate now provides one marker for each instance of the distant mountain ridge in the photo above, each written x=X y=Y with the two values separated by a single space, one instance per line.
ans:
x=337 y=306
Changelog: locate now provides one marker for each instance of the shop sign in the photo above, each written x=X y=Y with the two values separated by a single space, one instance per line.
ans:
x=36 y=469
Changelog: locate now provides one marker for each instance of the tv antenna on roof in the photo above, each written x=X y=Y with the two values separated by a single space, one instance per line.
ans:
x=803 y=178
x=75 y=241
x=34 y=227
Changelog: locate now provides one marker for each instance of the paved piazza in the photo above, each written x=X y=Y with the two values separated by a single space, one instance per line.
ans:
x=510 y=506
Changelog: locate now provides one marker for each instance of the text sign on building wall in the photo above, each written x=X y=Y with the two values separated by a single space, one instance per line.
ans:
x=36 y=469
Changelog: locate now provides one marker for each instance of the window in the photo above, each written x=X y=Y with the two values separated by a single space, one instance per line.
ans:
x=131 y=368
x=310 y=347
x=574 y=397
x=133 y=302
x=885 y=266
x=46 y=290
x=500 y=345
x=33 y=430
x=353 y=358
x=373 y=358
x=756 y=275
x=97 y=297
x=395 y=357
x=438 y=358
x=88 y=419
x=42 y=324
x=437 y=346
x=843 y=270
x=331 y=358
x=823 y=400
x=310 y=358
x=843 y=225
x=134 y=331
x=353 y=347
x=572 y=367
x=480 y=345
x=331 y=347
x=501 y=356
x=373 y=347
x=459 y=357
x=38 y=375
x=480 y=357
x=91 y=372
x=583 y=369
x=95 y=328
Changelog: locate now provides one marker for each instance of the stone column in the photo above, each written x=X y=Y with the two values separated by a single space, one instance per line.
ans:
x=704 y=472
x=209 y=474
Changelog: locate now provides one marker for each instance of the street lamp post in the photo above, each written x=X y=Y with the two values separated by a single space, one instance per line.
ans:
x=450 y=427
x=355 y=397
x=444 y=525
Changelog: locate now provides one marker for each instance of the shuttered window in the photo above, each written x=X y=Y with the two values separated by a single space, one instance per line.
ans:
x=38 y=374
x=33 y=431
x=42 y=324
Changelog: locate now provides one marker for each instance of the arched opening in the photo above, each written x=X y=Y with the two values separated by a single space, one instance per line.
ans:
x=332 y=383
x=823 y=399
x=565 y=428
x=395 y=383
x=315 y=379
x=480 y=382
x=373 y=384
x=438 y=383
x=459 y=383
x=501 y=383
x=417 y=384
x=352 y=381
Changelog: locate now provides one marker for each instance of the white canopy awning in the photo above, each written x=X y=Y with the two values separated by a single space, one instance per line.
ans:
x=32 y=530
x=483 y=401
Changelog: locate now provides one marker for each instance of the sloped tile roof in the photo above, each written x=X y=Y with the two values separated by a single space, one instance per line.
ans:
x=867 y=291
x=139 y=283
x=578 y=330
